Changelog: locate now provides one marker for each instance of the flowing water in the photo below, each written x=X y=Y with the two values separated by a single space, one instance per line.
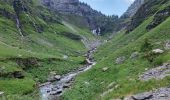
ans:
x=52 y=91
x=18 y=26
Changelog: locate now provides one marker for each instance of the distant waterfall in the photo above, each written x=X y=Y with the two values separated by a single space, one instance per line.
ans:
x=19 y=26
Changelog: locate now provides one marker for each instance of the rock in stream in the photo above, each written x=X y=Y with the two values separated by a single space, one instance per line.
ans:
x=53 y=90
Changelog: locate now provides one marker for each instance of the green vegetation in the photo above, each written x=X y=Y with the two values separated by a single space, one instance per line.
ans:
x=52 y=42
x=125 y=76
x=42 y=49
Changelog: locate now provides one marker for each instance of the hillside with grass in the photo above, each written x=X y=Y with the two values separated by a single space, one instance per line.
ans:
x=124 y=58
x=34 y=42
x=46 y=46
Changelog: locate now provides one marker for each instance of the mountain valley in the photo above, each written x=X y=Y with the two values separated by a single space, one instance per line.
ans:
x=65 y=50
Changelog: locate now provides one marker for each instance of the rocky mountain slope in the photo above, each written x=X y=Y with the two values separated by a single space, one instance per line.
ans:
x=148 y=9
x=133 y=9
x=125 y=19
x=90 y=18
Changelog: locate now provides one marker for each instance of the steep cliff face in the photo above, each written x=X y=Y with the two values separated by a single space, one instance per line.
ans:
x=149 y=8
x=64 y=6
x=69 y=6
x=90 y=17
x=125 y=19
x=133 y=9
x=159 y=17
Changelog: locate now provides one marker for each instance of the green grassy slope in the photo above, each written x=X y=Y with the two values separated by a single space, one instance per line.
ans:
x=37 y=53
x=48 y=39
x=124 y=76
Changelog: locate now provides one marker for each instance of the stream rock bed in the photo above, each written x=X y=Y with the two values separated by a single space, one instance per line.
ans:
x=53 y=90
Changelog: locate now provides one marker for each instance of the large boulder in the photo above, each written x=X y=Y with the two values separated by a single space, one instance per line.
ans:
x=143 y=96
x=57 y=77
x=1 y=93
x=167 y=46
x=157 y=51
x=105 y=69
x=120 y=60
x=65 y=57
x=53 y=77
x=134 y=55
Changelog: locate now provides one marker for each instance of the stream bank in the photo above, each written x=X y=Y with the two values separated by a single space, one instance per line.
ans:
x=53 y=90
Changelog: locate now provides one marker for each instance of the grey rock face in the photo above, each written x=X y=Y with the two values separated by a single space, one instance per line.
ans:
x=89 y=17
x=158 y=94
x=71 y=7
x=159 y=17
x=145 y=11
x=127 y=17
x=156 y=73
x=68 y=6
x=133 y=8
x=61 y=5
x=143 y=96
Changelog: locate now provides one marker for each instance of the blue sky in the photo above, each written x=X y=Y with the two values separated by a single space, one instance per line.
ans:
x=109 y=7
